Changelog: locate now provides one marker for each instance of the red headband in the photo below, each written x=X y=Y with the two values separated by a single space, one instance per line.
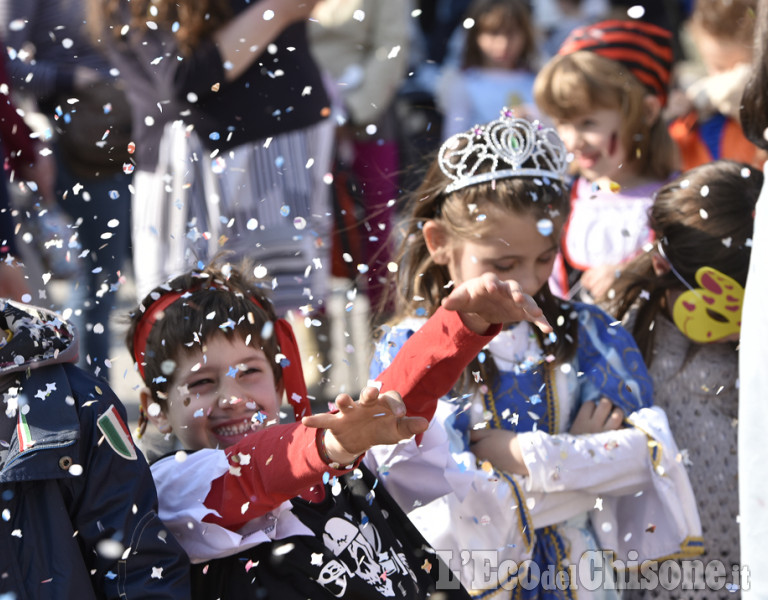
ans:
x=293 y=374
x=643 y=48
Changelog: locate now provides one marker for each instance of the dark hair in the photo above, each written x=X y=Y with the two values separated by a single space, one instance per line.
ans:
x=754 y=102
x=217 y=300
x=704 y=217
x=420 y=284
x=500 y=16
x=197 y=19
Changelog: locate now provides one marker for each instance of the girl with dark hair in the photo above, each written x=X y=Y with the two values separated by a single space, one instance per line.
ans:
x=498 y=66
x=682 y=302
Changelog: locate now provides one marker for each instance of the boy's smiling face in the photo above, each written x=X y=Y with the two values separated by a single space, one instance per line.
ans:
x=219 y=394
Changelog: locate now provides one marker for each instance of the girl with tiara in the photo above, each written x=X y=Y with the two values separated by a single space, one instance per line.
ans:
x=577 y=461
x=605 y=91
x=682 y=302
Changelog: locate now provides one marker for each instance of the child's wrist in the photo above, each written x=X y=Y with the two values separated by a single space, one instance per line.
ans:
x=331 y=452
x=475 y=323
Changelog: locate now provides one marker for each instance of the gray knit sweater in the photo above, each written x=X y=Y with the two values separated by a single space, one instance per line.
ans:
x=697 y=386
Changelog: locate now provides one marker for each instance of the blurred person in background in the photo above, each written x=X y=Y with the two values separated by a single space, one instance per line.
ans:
x=58 y=72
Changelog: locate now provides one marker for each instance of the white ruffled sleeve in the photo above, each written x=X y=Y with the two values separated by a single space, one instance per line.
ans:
x=635 y=477
x=182 y=487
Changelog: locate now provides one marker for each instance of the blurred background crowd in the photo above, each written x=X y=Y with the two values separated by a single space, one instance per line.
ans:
x=146 y=154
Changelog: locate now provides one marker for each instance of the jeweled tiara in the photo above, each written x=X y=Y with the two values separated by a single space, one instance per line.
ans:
x=506 y=144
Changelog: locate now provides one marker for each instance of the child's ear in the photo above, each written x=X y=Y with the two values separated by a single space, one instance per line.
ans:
x=158 y=418
x=651 y=109
x=436 y=240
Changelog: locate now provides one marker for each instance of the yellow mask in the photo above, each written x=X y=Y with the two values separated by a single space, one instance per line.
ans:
x=712 y=311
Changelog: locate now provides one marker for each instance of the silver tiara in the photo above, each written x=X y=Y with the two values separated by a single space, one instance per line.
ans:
x=506 y=144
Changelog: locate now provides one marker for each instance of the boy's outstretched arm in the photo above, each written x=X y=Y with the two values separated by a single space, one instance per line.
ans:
x=375 y=419
x=430 y=362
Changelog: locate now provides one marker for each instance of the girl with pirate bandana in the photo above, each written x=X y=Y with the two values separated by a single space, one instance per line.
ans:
x=605 y=90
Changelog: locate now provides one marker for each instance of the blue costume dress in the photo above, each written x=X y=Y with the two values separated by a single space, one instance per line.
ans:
x=538 y=398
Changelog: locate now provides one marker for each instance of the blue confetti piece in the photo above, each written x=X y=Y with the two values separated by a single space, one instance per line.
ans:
x=326 y=477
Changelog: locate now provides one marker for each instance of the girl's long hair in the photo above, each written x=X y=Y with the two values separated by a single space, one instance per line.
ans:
x=696 y=228
x=191 y=20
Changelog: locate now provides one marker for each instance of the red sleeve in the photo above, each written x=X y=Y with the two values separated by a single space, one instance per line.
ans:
x=266 y=469
x=15 y=134
x=282 y=462
x=431 y=361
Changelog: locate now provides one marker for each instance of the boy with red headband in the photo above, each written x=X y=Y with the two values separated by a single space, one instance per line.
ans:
x=288 y=509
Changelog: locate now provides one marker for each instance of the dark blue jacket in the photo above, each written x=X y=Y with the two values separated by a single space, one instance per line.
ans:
x=77 y=519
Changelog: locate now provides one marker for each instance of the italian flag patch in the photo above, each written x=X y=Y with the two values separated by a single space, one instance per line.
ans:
x=117 y=434
x=23 y=433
